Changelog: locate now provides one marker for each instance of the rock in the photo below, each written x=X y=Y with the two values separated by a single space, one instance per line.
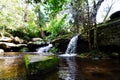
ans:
x=40 y=64
x=108 y=36
x=37 y=39
x=11 y=46
x=18 y=40
x=5 y=39
x=1 y=51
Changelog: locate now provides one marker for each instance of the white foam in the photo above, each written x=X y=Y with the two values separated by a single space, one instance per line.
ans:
x=44 y=49
x=67 y=55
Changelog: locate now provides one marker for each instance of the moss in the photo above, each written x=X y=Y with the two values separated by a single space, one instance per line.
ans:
x=26 y=61
x=114 y=55
x=24 y=49
x=42 y=64
x=67 y=36
x=108 y=23
x=94 y=54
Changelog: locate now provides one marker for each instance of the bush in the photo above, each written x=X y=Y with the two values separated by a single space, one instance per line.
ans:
x=26 y=32
x=56 y=27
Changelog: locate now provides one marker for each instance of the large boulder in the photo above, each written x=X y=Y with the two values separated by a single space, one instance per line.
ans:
x=61 y=43
x=7 y=46
x=39 y=64
x=109 y=36
x=11 y=44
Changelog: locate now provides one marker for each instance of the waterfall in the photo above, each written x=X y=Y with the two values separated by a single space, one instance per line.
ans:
x=72 y=45
x=71 y=49
x=44 y=49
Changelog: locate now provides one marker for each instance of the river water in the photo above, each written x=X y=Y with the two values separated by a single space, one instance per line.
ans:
x=69 y=68
x=74 y=68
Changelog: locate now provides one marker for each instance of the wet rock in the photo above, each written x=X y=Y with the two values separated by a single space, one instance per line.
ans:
x=39 y=64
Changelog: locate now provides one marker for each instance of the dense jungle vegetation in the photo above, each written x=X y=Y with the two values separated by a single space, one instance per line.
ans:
x=49 y=19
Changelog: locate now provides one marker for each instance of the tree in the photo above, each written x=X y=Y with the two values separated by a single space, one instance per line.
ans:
x=88 y=24
x=10 y=17
x=108 y=8
x=56 y=27
x=46 y=11
x=53 y=7
x=41 y=19
x=76 y=11
x=96 y=6
x=85 y=14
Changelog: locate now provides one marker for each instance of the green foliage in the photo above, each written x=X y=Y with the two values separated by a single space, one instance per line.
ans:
x=54 y=6
x=26 y=60
x=43 y=65
x=24 y=49
x=41 y=19
x=11 y=17
x=54 y=49
x=56 y=27
x=26 y=32
x=32 y=30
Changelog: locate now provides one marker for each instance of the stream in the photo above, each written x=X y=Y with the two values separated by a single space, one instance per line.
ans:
x=69 y=68
x=74 y=68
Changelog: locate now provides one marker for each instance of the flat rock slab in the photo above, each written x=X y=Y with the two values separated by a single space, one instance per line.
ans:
x=40 y=64
x=36 y=58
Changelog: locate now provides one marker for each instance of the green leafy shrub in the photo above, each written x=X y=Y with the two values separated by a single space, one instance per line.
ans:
x=32 y=30
x=53 y=50
x=56 y=27
x=26 y=32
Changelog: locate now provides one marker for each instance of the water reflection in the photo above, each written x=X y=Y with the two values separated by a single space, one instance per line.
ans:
x=12 y=67
x=67 y=70
x=74 y=68
x=70 y=68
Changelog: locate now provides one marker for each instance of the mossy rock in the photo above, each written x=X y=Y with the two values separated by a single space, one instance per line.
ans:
x=39 y=64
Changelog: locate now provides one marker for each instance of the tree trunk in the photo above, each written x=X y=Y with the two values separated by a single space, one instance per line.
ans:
x=94 y=14
x=26 y=13
x=88 y=26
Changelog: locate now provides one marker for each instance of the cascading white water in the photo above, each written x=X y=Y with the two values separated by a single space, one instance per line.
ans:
x=71 y=47
x=44 y=49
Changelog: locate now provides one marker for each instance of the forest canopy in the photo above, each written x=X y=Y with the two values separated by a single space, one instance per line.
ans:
x=49 y=18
